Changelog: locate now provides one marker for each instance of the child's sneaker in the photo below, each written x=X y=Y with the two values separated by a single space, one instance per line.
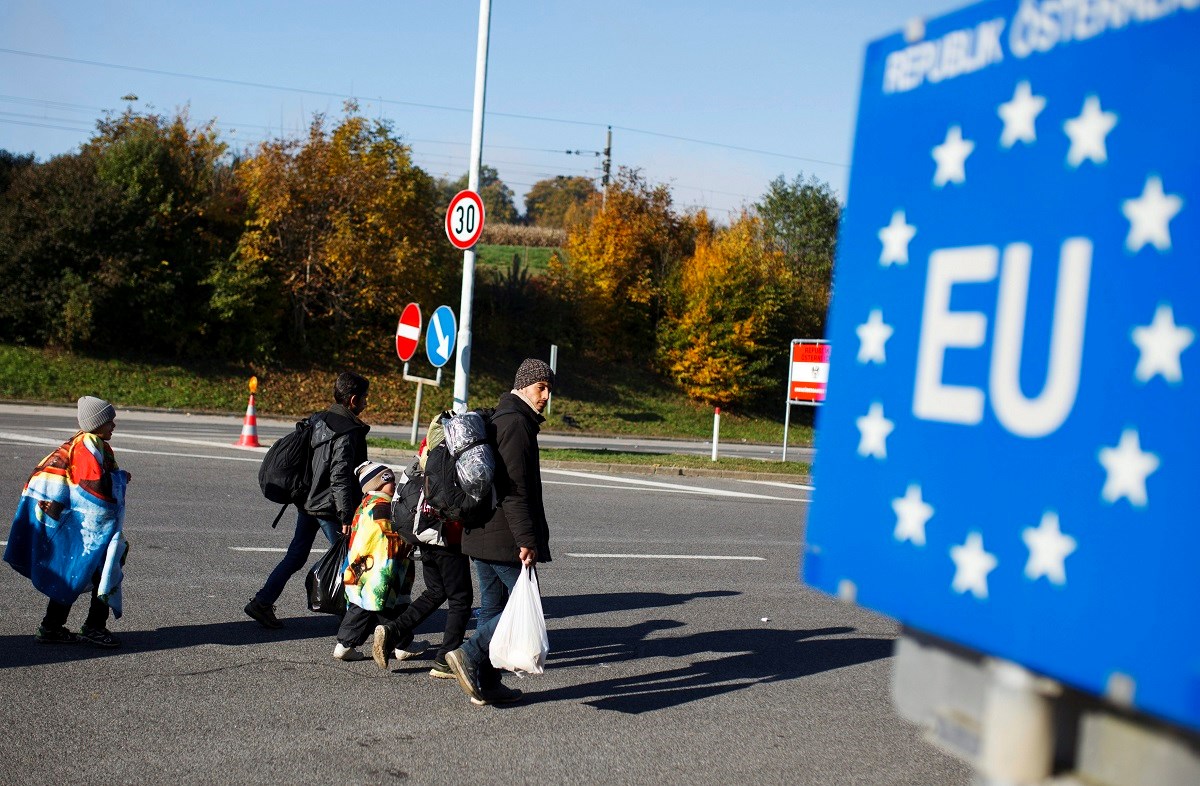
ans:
x=441 y=670
x=342 y=652
x=410 y=650
x=99 y=637
x=59 y=635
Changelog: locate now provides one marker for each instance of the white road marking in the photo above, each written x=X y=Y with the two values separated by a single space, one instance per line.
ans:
x=29 y=440
x=55 y=442
x=257 y=548
x=779 y=483
x=122 y=435
x=665 y=556
x=667 y=486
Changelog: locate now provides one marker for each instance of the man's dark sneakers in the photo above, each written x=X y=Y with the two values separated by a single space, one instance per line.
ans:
x=501 y=694
x=59 y=635
x=99 y=637
x=466 y=674
x=263 y=613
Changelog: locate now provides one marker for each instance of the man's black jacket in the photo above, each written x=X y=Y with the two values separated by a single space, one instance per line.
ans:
x=520 y=518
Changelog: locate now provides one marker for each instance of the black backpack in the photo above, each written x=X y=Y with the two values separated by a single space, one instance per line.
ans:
x=285 y=476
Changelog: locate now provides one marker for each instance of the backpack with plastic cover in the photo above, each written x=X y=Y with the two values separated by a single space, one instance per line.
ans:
x=454 y=483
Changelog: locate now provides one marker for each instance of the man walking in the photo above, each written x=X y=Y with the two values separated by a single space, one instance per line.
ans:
x=517 y=533
x=339 y=444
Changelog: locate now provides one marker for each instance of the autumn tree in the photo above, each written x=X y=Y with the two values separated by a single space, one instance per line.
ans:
x=550 y=202
x=498 y=205
x=727 y=315
x=344 y=230
x=800 y=220
x=614 y=267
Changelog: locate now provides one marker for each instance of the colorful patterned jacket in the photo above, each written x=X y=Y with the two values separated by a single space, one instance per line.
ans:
x=68 y=523
x=378 y=574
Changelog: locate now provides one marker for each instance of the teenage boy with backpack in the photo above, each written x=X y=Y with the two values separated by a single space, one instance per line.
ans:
x=339 y=444
x=447 y=574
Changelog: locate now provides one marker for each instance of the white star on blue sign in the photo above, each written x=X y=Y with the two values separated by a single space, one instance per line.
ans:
x=1016 y=473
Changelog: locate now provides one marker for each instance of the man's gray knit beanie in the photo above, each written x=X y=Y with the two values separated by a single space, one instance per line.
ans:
x=92 y=413
x=531 y=371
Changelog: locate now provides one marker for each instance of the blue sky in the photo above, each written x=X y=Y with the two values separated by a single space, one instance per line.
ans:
x=773 y=84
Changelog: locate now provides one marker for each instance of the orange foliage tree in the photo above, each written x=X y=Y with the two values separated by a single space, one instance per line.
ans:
x=344 y=230
x=728 y=315
x=615 y=266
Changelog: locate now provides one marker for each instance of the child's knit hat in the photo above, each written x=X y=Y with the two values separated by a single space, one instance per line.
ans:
x=92 y=413
x=372 y=476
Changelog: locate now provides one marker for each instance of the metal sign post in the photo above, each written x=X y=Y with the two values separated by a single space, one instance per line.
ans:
x=421 y=382
x=462 y=371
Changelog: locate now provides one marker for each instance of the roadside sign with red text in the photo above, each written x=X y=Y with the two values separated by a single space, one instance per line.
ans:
x=809 y=371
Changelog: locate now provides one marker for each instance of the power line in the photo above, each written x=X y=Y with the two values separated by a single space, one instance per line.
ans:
x=416 y=104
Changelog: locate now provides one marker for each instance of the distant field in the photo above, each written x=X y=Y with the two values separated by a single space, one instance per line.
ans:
x=534 y=258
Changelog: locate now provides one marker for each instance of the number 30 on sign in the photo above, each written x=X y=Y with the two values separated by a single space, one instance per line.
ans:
x=464 y=219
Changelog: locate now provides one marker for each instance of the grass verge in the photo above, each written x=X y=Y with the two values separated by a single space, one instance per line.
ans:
x=589 y=400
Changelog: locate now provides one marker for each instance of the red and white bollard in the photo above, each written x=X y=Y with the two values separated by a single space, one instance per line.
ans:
x=716 y=430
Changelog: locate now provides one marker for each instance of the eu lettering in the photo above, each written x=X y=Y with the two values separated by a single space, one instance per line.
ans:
x=943 y=329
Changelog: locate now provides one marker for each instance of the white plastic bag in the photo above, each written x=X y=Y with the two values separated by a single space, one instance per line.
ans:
x=519 y=643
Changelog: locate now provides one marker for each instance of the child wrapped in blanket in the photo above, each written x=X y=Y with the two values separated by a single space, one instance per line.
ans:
x=67 y=535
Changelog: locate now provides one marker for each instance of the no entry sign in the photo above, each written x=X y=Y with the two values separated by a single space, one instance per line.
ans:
x=464 y=219
x=408 y=332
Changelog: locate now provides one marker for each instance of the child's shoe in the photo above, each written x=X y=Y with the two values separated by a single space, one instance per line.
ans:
x=59 y=635
x=99 y=637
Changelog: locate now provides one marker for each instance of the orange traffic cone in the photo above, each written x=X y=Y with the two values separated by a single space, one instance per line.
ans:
x=249 y=437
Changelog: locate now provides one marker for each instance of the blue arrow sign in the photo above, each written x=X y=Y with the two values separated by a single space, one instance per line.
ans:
x=440 y=335
x=1008 y=448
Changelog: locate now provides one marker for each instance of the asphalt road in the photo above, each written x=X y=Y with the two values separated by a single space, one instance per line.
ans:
x=665 y=666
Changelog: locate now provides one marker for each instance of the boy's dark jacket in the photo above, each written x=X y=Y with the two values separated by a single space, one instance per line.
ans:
x=339 y=441
x=520 y=518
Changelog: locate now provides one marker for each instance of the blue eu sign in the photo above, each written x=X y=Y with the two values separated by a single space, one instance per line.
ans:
x=1008 y=455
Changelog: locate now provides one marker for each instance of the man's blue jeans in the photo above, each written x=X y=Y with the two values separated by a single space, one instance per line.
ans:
x=297 y=554
x=496 y=580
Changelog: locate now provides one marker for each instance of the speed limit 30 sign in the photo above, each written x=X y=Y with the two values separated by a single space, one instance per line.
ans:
x=464 y=219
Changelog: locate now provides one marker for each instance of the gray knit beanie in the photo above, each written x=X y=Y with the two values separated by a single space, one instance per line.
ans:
x=94 y=412
x=533 y=370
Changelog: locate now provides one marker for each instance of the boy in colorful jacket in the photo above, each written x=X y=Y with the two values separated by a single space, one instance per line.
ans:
x=66 y=535
x=378 y=575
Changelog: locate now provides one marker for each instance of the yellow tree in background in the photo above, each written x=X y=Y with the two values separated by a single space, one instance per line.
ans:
x=727 y=315
x=616 y=265
x=345 y=227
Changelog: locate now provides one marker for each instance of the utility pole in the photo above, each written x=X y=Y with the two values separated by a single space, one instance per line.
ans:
x=607 y=166
x=607 y=159
x=462 y=364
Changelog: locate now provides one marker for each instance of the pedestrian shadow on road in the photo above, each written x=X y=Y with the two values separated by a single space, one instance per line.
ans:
x=22 y=650
x=743 y=658
x=567 y=606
